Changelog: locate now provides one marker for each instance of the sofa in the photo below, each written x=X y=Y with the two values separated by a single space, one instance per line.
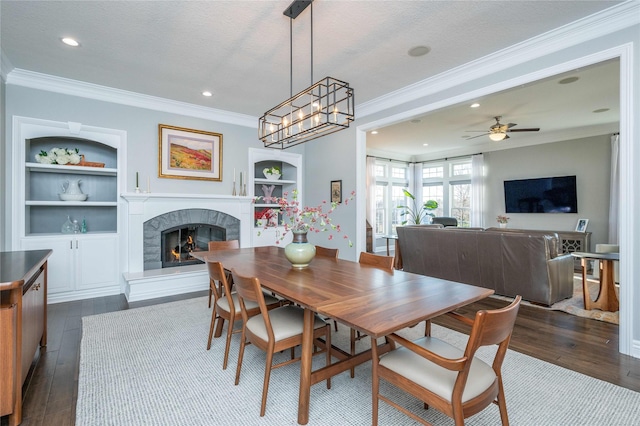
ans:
x=510 y=263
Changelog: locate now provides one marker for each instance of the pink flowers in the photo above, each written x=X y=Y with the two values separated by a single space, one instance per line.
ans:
x=306 y=219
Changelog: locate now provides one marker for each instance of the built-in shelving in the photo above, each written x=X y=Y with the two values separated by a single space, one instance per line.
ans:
x=291 y=178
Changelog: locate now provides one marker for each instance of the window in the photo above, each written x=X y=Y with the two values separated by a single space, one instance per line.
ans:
x=449 y=183
x=391 y=178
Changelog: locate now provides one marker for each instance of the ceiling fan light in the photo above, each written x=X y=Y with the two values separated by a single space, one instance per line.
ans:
x=496 y=137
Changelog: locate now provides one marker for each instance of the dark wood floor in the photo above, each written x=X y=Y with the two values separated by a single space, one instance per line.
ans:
x=584 y=345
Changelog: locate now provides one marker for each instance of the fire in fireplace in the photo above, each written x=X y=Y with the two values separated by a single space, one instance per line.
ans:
x=179 y=242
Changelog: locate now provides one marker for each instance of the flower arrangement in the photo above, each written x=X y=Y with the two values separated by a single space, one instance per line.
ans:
x=414 y=214
x=59 y=156
x=275 y=170
x=305 y=219
x=502 y=219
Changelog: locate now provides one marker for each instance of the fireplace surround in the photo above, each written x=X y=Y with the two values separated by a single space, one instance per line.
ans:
x=143 y=276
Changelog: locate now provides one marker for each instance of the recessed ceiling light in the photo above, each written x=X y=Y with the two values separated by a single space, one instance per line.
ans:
x=569 y=80
x=374 y=132
x=70 y=42
x=425 y=144
x=601 y=110
x=207 y=93
x=419 y=51
x=476 y=105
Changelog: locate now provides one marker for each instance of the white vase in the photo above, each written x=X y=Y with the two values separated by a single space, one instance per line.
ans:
x=502 y=225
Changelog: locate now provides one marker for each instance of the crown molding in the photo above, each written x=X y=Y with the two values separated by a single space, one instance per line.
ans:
x=591 y=27
x=5 y=65
x=35 y=80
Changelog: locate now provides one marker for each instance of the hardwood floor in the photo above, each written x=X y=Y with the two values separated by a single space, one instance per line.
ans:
x=587 y=346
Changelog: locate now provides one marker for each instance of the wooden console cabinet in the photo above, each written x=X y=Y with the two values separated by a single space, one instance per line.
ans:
x=23 y=323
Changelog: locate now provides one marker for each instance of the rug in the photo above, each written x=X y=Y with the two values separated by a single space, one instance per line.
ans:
x=575 y=304
x=150 y=366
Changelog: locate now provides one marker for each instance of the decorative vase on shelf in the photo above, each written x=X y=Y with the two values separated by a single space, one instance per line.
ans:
x=502 y=225
x=67 y=226
x=300 y=252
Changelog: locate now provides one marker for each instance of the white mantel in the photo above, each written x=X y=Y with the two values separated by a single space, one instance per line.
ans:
x=141 y=207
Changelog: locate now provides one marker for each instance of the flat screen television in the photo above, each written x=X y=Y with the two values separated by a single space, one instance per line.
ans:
x=542 y=195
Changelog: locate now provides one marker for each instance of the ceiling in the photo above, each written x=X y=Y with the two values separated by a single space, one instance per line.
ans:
x=239 y=50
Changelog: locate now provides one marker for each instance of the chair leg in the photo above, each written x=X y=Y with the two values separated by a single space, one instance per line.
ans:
x=240 y=356
x=210 y=294
x=352 y=337
x=504 y=417
x=213 y=320
x=335 y=324
x=265 y=386
x=219 y=326
x=328 y=355
x=228 y=345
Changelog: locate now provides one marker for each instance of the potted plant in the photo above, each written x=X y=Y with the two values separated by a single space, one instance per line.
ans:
x=273 y=172
x=502 y=221
x=416 y=213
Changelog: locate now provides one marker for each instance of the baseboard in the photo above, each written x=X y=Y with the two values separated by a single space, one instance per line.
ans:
x=71 y=296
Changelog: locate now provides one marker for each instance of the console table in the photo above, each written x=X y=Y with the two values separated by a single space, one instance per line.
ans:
x=23 y=323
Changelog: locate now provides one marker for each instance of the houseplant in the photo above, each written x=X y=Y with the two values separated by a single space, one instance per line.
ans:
x=300 y=220
x=416 y=213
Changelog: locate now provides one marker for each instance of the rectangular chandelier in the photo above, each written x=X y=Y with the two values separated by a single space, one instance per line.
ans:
x=322 y=109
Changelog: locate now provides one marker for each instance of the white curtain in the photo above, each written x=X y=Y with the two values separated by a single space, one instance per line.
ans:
x=477 y=190
x=371 y=192
x=614 y=202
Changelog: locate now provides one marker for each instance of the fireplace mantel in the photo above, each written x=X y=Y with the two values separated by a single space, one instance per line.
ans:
x=141 y=207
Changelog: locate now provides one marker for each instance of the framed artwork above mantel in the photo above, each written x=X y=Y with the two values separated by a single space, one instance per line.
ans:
x=189 y=154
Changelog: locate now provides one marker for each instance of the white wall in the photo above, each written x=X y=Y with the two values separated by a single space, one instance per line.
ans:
x=4 y=242
x=588 y=159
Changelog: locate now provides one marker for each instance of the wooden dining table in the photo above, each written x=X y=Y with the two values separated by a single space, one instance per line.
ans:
x=370 y=300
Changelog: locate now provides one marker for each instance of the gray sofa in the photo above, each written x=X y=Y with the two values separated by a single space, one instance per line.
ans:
x=510 y=263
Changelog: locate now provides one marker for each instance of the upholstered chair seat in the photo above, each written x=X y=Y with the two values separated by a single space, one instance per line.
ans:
x=286 y=322
x=437 y=379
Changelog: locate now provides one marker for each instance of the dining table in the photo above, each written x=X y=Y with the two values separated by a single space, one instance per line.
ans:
x=373 y=301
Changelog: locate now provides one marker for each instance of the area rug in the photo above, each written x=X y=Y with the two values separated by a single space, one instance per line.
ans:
x=575 y=304
x=150 y=366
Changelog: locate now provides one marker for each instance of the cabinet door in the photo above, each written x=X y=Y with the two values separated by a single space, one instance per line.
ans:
x=97 y=261
x=61 y=273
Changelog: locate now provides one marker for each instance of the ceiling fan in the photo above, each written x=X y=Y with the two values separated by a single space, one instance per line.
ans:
x=499 y=131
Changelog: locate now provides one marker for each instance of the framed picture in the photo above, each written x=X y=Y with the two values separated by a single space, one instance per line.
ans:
x=581 y=226
x=336 y=191
x=189 y=154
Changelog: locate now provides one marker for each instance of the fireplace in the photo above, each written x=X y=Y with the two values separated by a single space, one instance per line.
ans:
x=179 y=242
x=169 y=238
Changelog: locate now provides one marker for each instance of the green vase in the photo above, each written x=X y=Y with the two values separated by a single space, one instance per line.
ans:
x=300 y=252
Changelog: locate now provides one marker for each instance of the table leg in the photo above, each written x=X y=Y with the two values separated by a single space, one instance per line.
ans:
x=305 y=368
x=388 y=252
x=607 y=300
x=585 y=285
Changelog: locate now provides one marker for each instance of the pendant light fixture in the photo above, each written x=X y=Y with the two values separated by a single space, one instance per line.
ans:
x=323 y=108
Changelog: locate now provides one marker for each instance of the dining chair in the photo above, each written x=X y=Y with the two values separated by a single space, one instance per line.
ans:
x=222 y=245
x=332 y=253
x=380 y=262
x=445 y=377
x=275 y=330
x=227 y=307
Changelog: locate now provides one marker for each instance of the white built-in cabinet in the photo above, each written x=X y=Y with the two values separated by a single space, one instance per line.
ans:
x=291 y=166
x=82 y=265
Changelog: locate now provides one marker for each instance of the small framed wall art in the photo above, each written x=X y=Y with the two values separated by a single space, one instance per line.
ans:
x=581 y=226
x=336 y=191
x=189 y=154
